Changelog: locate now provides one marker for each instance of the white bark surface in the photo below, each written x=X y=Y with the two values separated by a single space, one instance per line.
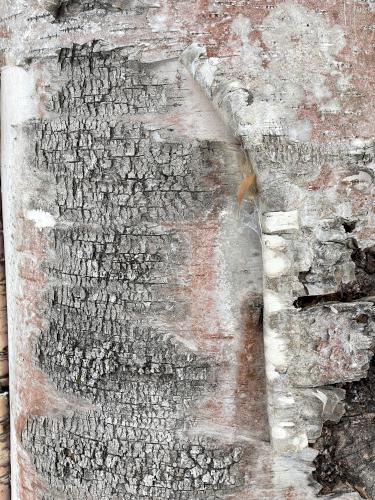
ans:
x=136 y=281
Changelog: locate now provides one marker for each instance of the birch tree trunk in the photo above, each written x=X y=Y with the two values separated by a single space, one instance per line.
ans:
x=131 y=132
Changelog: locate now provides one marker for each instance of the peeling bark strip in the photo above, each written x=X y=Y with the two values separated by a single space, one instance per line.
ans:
x=315 y=347
x=135 y=344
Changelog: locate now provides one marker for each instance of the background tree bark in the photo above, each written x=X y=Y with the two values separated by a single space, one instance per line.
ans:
x=4 y=383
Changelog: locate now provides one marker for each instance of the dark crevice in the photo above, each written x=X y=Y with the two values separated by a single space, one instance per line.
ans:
x=71 y=8
x=349 y=226
x=347 y=293
x=365 y=259
x=362 y=287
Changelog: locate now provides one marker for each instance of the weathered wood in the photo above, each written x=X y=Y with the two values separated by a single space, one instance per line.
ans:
x=346 y=458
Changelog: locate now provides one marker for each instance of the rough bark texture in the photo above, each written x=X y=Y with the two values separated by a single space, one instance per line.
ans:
x=125 y=202
x=346 y=459
x=136 y=299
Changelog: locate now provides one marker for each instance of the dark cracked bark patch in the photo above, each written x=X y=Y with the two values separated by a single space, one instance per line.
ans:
x=346 y=460
x=126 y=203
x=70 y=8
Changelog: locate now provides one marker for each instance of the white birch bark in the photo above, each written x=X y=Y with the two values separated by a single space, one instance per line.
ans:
x=135 y=287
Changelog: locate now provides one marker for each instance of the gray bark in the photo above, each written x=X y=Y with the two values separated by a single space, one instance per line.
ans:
x=309 y=257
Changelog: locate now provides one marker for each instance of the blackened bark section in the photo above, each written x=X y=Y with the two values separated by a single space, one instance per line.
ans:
x=69 y=8
x=347 y=454
x=124 y=199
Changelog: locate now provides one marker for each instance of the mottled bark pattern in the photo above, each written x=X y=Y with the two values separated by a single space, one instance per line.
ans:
x=317 y=253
